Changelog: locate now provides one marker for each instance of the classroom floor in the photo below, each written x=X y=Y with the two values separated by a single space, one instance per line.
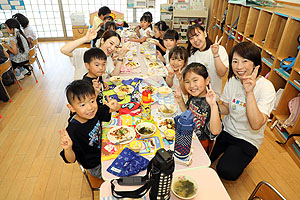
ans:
x=30 y=165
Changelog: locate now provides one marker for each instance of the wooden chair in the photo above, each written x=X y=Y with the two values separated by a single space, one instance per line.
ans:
x=4 y=67
x=90 y=182
x=265 y=191
x=35 y=43
x=32 y=58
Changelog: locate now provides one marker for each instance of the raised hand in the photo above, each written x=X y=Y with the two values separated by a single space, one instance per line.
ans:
x=249 y=82
x=215 y=46
x=171 y=73
x=179 y=74
x=65 y=140
x=211 y=96
x=112 y=104
x=158 y=54
x=92 y=33
x=96 y=85
x=124 y=49
x=106 y=86
x=177 y=95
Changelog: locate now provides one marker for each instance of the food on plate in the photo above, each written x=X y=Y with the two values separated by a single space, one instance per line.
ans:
x=125 y=88
x=116 y=80
x=148 y=55
x=184 y=188
x=145 y=130
x=154 y=65
x=170 y=134
x=120 y=133
x=168 y=123
x=131 y=64
x=149 y=87
x=164 y=91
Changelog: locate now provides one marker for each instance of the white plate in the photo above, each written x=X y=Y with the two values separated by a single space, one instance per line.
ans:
x=132 y=64
x=114 y=139
x=144 y=87
x=121 y=88
x=154 y=65
x=162 y=128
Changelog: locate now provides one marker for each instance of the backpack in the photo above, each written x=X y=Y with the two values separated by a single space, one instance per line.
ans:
x=8 y=78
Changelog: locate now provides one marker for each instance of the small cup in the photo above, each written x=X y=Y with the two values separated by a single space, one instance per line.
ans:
x=135 y=146
x=121 y=95
x=134 y=52
x=142 y=50
x=148 y=55
x=130 y=58
x=170 y=134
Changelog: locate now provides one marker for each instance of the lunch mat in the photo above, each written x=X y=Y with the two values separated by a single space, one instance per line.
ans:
x=111 y=151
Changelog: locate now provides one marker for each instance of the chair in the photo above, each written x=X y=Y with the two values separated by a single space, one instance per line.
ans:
x=4 y=67
x=35 y=43
x=32 y=57
x=265 y=191
x=85 y=173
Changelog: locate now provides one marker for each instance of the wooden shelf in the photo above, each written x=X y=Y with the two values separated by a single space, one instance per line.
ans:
x=190 y=13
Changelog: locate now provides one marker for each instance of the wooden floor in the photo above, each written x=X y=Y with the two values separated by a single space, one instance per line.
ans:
x=30 y=165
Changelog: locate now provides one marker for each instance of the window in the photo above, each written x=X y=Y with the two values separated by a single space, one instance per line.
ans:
x=45 y=17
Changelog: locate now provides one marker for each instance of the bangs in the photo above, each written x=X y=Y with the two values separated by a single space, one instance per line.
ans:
x=178 y=55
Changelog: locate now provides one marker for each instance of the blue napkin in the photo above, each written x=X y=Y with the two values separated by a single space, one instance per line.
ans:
x=128 y=163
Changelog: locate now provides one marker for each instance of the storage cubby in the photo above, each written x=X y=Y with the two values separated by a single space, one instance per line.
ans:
x=243 y=19
x=251 y=22
x=274 y=33
x=262 y=27
x=289 y=42
x=235 y=15
x=219 y=12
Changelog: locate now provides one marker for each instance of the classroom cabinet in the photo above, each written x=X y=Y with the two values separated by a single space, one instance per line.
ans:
x=276 y=31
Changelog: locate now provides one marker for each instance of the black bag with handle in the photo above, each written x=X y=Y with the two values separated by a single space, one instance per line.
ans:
x=158 y=179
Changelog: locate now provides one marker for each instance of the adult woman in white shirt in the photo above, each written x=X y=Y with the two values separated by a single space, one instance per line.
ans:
x=211 y=55
x=248 y=100
x=110 y=40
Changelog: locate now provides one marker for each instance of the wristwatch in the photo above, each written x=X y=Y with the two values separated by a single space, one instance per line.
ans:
x=120 y=59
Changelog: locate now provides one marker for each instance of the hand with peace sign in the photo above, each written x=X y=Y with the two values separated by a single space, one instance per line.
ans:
x=124 y=49
x=92 y=33
x=171 y=73
x=112 y=104
x=211 y=96
x=177 y=95
x=215 y=46
x=178 y=74
x=97 y=85
x=65 y=140
x=249 y=82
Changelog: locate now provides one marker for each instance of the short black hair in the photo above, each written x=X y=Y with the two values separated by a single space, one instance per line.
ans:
x=79 y=89
x=109 y=24
x=161 y=26
x=179 y=52
x=108 y=17
x=148 y=14
x=94 y=53
x=197 y=68
x=246 y=50
x=23 y=20
x=104 y=11
x=171 y=34
x=109 y=33
x=190 y=33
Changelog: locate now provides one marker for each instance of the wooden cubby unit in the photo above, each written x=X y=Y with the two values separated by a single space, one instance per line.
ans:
x=251 y=23
x=275 y=32
x=260 y=33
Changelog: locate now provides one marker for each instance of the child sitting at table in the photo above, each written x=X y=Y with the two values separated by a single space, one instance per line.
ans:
x=178 y=60
x=202 y=102
x=171 y=38
x=95 y=61
x=109 y=25
x=81 y=140
x=159 y=30
x=142 y=29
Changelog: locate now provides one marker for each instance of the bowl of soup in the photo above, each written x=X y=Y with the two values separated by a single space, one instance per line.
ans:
x=167 y=110
x=184 y=187
x=116 y=80
x=145 y=129
x=164 y=91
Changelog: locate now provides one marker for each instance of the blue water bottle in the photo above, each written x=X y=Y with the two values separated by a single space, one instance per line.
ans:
x=184 y=126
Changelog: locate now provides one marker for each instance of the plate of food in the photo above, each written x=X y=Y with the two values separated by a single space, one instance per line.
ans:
x=132 y=64
x=121 y=135
x=152 y=89
x=128 y=89
x=184 y=187
x=166 y=123
x=154 y=65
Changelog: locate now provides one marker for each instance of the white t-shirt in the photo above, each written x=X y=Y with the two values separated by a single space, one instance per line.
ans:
x=166 y=56
x=78 y=63
x=109 y=67
x=29 y=33
x=206 y=58
x=143 y=32
x=236 y=122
